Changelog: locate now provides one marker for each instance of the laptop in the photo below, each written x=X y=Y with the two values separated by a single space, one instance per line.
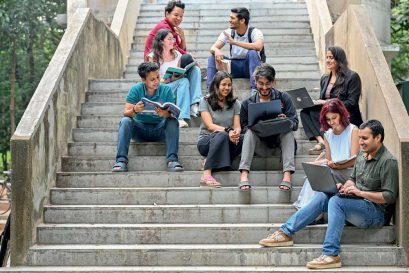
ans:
x=263 y=110
x=300 y=98
x=320 y=177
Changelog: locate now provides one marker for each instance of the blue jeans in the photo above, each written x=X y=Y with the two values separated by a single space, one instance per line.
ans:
x=240 y=68
x=167 y=129
x=187 y=91
x=359 y=212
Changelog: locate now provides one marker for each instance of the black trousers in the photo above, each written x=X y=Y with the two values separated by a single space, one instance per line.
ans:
x=218 y=150
x=310 y=118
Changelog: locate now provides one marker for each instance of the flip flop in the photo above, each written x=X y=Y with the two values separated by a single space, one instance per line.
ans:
x=120 y=167
x=315 y=150
x=285 y=184
x=244 y=183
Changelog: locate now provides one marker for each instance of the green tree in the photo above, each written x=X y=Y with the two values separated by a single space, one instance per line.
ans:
x=29 y=37
x=400 y=36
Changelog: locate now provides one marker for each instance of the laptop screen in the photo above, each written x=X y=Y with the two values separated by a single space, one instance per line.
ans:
x=263 y=111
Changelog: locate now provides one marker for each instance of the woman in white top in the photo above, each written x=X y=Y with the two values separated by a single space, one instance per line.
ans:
x=341 y=143
x=187 y=90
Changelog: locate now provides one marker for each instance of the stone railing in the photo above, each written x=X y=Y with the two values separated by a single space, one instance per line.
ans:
x=88 y=49
x=123 y=24
x=320 y=21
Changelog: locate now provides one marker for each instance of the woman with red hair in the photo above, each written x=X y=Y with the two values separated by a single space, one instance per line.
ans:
x=341 y=143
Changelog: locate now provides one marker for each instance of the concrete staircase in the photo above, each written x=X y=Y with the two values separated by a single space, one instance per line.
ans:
x=148 y=220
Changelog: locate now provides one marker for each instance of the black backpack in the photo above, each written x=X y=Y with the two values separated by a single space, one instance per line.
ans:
x=262 y=53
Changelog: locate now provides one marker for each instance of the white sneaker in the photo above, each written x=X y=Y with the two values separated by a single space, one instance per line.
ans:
x=183 y=124
x=194 y=110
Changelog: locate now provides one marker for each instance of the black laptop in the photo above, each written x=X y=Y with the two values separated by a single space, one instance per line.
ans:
x=263 y=110
x=300 y=98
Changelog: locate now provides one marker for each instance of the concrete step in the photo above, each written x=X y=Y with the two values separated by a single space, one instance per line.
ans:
x=198 y=269
x=159 y=214
x=298 y=75
x=171 y=196
x=217 y=26
x=150 y=148
x=104 y=234
x=255 y=21
x=203 y=15
x=257 y=6
x=214 y=33
x=158 y=163
x=111 y=134
x=201 y=255
x=149 y=179
x=135 y=58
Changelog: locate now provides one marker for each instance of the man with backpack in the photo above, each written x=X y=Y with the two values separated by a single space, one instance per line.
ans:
x=246 y=49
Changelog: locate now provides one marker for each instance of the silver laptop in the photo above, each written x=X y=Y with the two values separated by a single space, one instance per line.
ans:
x=263 y=110
x=320 y=177
x=300 y=98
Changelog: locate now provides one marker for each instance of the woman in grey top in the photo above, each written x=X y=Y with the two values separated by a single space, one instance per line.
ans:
x=219 y=139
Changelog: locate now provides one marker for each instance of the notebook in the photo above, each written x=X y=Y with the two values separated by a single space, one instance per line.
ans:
x=263 y=110
x=300 y=98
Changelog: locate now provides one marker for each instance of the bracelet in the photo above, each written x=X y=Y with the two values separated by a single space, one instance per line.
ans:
x=133 y=108
x=228 y=129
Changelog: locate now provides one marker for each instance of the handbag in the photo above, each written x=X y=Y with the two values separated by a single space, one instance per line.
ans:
x=270 y=127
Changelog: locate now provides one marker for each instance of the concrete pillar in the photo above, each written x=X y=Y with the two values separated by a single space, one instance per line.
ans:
x=102 y=9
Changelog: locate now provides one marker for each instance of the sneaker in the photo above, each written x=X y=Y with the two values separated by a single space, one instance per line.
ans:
x=324 y=262
x=183 y=124
x=203 y=73
x=277 y=238
x=194 y=110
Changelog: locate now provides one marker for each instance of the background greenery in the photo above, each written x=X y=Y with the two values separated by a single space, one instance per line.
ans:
x=400 y=36
x=29 y=37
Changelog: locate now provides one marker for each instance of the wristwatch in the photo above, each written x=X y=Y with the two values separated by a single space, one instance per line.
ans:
x=228 y=129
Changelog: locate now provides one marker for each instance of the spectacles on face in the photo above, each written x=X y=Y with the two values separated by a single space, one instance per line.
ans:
x=172 y=39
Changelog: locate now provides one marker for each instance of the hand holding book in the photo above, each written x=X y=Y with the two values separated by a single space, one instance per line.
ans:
x=172 y=108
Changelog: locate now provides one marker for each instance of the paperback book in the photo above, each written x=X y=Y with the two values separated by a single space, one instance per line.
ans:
x=151 y=105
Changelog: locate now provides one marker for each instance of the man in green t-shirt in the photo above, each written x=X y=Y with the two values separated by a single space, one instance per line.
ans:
x=363 y=200
x=142 y=125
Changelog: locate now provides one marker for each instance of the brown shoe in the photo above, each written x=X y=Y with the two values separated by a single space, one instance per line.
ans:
x=324 y=262
x=278 y=238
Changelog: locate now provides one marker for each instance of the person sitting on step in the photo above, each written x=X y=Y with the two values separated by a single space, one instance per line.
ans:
x=245 y=48
x=265 y=79
x=341 y=83
x=144 y=126
x=219 y=140
x=341 y=143
x=362 y=201
x=187 y=90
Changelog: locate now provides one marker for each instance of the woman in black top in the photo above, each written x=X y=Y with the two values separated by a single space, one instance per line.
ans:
x=341 y=83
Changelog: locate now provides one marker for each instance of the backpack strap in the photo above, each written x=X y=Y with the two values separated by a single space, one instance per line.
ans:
x=232 y=34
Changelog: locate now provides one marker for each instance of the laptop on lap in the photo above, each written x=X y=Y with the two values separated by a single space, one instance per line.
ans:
x=300 y=98
x=263 y=110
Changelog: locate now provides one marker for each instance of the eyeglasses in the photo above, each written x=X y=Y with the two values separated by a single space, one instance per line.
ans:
x=171 y=39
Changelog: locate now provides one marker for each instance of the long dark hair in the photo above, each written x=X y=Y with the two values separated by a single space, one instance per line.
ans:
x=213 y=97
x=342 y=69
x=157 y=44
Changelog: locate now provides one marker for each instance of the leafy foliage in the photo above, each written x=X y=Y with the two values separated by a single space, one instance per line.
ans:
x=400 y=35
x=29 y=25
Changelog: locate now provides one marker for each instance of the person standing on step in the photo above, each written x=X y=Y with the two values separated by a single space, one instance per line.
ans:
x=187 y=90
x=246 y=48
x=219 y=140
x=374 y=185
x=147 y=127
x=256 y=142
x=341 y=83
x=174 y=12
x=341 y=143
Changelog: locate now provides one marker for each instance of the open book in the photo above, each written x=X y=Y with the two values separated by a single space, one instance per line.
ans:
x=151 y=105
x=345 y=160
x=178 y=71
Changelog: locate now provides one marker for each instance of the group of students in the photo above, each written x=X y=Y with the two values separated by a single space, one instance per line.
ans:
x=334 y=122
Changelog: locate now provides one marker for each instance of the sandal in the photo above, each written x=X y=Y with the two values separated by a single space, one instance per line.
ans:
x=174 y=166
x=120 y=167
x=318 y=148
x=209 y=181
x=244 y=185
x=285 y=186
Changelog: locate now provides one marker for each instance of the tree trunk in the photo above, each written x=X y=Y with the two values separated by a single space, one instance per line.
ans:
x=12 y=84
